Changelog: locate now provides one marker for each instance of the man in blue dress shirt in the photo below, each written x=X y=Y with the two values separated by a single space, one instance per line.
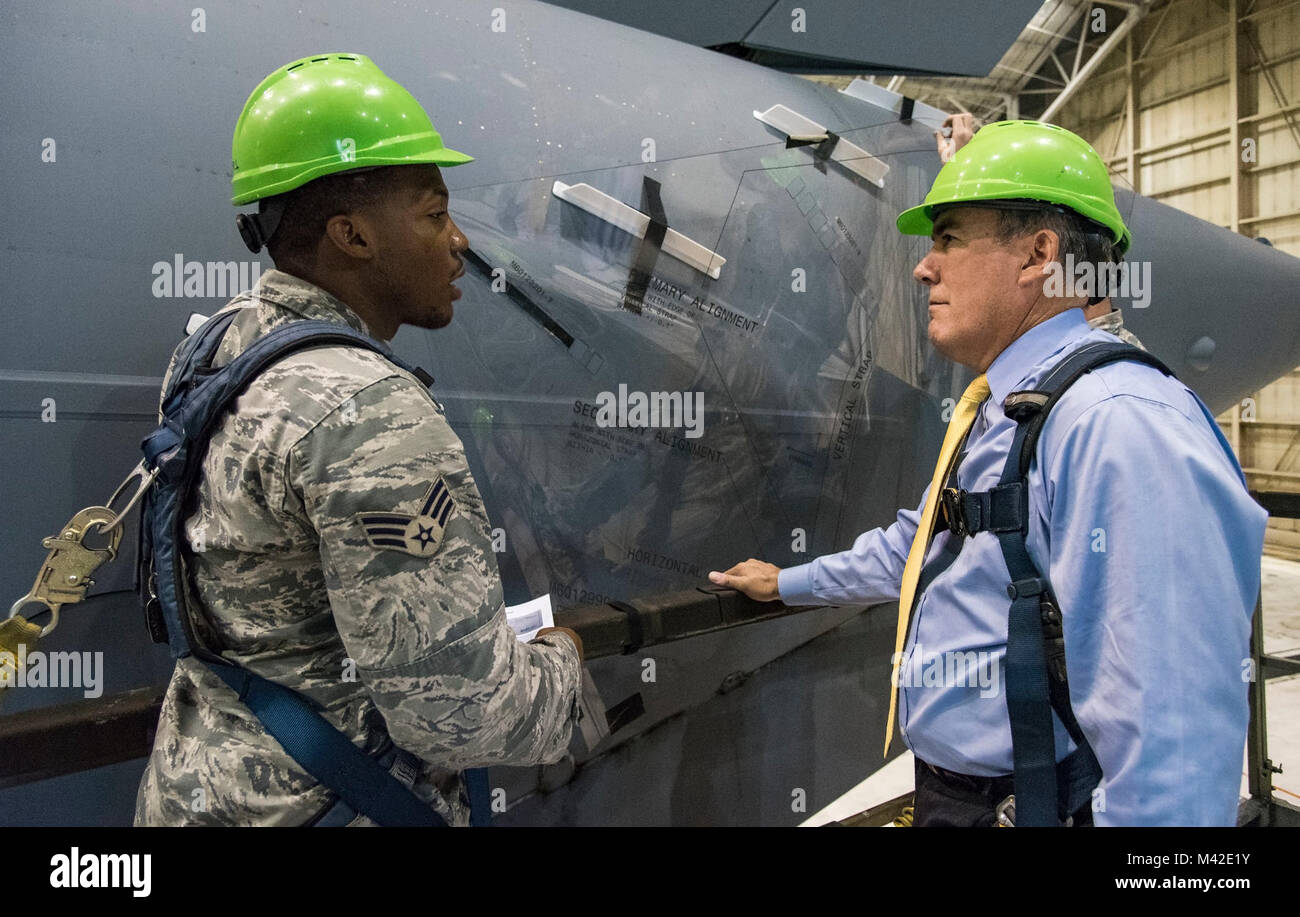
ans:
x=1139 y=518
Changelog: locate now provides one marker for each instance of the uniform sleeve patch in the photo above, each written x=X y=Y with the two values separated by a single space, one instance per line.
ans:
x=419 y=535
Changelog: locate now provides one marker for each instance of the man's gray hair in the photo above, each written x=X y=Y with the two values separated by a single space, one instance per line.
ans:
x=1078 y=235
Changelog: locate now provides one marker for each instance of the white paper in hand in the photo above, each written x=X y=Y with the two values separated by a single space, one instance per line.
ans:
x=530 y=617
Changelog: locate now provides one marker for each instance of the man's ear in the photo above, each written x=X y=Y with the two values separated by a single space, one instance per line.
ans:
x=1039 y=251
x=351 y=235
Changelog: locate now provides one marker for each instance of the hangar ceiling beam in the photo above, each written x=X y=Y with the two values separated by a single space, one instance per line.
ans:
x=1112 y=41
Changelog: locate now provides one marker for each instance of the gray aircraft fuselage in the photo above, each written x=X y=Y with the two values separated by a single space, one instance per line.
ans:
x=822 y=398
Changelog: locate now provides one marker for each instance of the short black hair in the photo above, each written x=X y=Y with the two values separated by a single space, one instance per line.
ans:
x=309 y=207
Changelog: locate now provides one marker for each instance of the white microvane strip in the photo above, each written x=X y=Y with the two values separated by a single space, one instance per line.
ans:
x=850 y=155
x=629 y=219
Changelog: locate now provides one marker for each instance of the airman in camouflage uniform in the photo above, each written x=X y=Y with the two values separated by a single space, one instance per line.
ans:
x=340 y=548
x=294 y=589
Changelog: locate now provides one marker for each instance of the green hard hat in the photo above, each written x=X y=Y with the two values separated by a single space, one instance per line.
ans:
x=325 y=114
x=1024 y=160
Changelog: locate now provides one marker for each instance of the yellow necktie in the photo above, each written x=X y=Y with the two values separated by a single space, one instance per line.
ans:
x=962 y=418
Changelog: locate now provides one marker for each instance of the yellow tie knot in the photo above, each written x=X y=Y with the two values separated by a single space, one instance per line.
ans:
x=978 y=389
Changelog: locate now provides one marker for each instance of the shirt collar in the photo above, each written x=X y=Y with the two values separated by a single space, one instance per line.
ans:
x=1018 y=361
x=306 y=299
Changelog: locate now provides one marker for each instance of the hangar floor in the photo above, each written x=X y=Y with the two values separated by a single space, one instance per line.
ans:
x=1281 y=585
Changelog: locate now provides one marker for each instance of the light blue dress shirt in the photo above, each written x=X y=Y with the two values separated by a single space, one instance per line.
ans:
x=1141 y=520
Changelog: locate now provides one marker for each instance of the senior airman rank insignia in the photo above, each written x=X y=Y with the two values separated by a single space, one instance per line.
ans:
x=418 y=535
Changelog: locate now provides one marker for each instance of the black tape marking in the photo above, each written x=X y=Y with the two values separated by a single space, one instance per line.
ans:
x=822 y=151
x=638 y=278
x=520 y=299
x=624 y=712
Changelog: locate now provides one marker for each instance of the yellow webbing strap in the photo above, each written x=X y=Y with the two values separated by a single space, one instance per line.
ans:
x=15 y=632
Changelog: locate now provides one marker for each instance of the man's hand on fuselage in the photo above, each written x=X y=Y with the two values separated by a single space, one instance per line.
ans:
x=755 y=578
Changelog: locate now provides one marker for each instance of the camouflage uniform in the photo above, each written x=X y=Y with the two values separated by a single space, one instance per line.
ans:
x=403 y=633
x=1113 y=323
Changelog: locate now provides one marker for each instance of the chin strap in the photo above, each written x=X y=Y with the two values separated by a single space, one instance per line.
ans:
x=256 y=229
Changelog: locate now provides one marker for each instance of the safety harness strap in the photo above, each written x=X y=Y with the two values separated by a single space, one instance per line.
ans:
x=1028 y=699
x=1001 y=509
x=1065 y=374
x=327 y=754
x=18 y=637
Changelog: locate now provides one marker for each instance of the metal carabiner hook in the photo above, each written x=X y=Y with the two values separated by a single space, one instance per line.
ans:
x=31 y=598
x=65 y=575
x=146 y=480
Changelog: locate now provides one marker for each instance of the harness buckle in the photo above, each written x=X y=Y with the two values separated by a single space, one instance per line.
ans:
x=1006 y=813
x=1053 y=637
x=1026 y=587
x=953 y=500
x=1022 y=405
